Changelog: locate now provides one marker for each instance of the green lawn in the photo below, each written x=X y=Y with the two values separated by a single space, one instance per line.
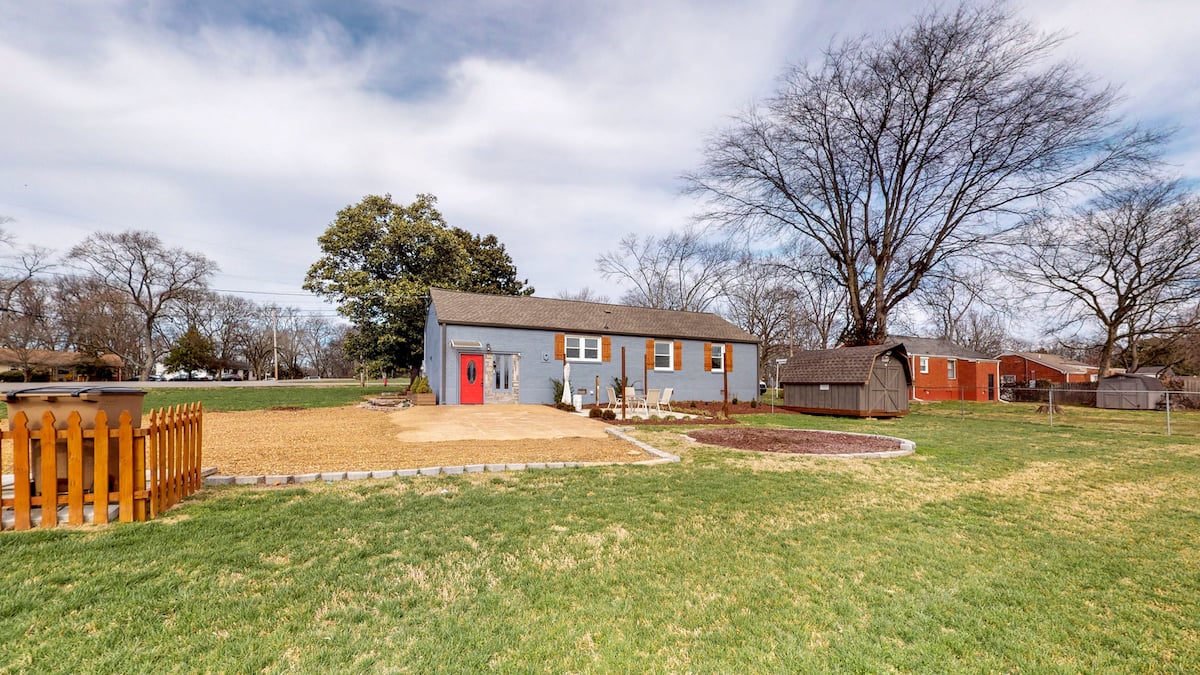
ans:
x=1003 y=544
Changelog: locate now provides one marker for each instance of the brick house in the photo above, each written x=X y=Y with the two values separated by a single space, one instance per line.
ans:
x=1024 y=369
x=945 y=371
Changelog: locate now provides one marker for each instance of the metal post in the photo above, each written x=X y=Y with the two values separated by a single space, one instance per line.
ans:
x=623 y=385
x=1050 y=407
x=1168 y=412
x=962 y=402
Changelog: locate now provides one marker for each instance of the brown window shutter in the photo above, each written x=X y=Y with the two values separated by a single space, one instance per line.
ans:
x=708 y=356
x=560 y=346
x=678 y=355
x=650 y=354
x=729 y=358
x=606 y=349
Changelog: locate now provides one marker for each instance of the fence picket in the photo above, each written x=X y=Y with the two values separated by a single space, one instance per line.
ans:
x=21 y=486
x=74 y=468
x=101 y=486
x=48 y=438
x=125 y=445
x=152 y=458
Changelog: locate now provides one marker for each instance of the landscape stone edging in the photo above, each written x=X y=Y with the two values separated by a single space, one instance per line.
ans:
x=907 y=447
x=661 y=457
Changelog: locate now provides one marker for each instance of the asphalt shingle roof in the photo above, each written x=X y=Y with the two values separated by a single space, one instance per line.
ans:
x=845 y=365
x=477 y=309
x=917 y=346
x=1059 y=363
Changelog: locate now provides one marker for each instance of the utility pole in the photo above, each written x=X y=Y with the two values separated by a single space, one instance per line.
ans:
x=275 y=339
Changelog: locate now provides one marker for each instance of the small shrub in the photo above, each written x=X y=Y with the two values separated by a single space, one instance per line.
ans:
x=420 y=385
x=734 y=401
x=557 y=387
x=565 y=406
x=754 y=403
x=595 y=412
x=609 y=415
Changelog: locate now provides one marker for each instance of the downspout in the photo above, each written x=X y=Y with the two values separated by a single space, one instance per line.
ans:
x=443 y=350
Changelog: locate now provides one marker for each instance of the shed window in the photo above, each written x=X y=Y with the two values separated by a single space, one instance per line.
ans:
x=580 y=348
x=924 y=363
x=952 y=369
x=663 y=356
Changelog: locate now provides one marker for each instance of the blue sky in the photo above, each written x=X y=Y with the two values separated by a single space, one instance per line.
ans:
x=240 y=128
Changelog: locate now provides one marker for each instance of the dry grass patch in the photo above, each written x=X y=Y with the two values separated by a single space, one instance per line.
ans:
x=354 y=439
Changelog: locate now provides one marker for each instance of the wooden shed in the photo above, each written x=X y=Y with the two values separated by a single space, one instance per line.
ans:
x=1129 y=392
x=854 y=381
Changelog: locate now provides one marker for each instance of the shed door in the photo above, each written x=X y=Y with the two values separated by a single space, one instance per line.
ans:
x=888 y=392
x=470 y=378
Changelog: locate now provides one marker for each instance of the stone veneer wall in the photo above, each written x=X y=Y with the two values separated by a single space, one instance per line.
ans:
x=490 y=393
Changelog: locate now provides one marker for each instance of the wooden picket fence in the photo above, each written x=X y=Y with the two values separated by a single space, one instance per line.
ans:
x=158 y=465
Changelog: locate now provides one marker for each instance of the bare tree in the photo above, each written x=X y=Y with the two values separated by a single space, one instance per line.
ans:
x=761 y=300
x=95 y=319
x=679 y=271
x=963 y=306
x=1129 y=264
x=149 y=278
x=584 y=294
x=897 y=154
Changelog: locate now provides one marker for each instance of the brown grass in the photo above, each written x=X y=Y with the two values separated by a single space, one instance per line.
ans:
x=354 y=439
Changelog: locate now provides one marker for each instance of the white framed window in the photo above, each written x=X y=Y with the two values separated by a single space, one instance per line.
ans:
x=581 y=348
x=718 y=358
x=664 y=356
x=924 y=363
x=952 y=369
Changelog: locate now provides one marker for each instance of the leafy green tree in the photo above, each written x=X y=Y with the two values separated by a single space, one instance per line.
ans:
x=191 y=352
x=379 y=260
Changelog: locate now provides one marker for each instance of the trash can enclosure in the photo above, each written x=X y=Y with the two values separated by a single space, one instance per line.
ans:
x=60 y=401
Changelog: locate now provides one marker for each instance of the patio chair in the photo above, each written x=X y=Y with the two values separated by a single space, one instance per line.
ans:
x=651 y=401
x=614 y=401
x=631 y=397
x=666 y=399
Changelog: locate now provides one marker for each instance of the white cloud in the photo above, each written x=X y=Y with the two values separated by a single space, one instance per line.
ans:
x=243 y=142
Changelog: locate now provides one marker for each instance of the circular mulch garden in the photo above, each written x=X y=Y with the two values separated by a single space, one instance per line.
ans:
x=797 y=442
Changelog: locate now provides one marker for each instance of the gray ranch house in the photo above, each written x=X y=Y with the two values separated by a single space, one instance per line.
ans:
x=504 y=349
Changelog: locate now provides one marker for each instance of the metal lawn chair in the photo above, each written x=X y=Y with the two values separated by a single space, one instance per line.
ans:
x=666 y=399
x=614 y=401
x=651 y=401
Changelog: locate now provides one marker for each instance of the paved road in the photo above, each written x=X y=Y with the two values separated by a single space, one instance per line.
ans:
x=194 y=384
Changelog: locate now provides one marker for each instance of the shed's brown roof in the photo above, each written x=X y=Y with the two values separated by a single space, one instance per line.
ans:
x=845 y=365
x=477 y=309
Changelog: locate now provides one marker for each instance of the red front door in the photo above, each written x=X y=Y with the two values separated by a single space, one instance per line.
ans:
x=470 y=378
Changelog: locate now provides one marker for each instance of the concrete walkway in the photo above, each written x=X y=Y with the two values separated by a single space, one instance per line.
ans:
x=428 y=424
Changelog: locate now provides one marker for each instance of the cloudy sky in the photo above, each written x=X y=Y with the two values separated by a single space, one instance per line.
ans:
x=240 y=128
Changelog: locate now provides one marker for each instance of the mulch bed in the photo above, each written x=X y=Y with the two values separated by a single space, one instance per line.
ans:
x=794 y=442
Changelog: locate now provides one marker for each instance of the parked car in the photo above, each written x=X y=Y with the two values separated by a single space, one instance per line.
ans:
x=312 y=377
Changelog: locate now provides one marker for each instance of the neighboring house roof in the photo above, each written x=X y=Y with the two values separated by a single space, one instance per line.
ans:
x=1155 y=371
x=917 y=346
x=56 y=359
x=1059 y=363
x=477 y=309
x=845 y=365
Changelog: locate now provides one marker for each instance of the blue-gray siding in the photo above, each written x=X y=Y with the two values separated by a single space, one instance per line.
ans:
x=537 y=365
